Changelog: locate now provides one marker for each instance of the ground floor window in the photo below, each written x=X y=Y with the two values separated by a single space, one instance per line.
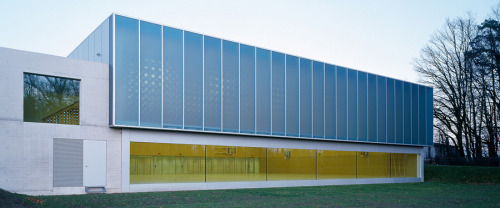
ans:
x=181 y=163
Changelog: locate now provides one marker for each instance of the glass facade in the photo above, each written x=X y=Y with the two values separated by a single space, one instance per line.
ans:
x=185 y=163
x=50 y=99
x=175 y=79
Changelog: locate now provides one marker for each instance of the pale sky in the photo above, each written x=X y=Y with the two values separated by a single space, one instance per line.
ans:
x=381 y=37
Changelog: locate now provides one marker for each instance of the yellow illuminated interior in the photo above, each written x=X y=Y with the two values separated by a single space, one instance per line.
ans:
x=230 y=163
x=185 y=163
x=291 y=164
x=403 y=165
x=336 y=164
x=374 y=165
x=166 y=163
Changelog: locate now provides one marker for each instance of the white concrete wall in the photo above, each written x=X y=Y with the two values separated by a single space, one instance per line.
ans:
x=26 y=149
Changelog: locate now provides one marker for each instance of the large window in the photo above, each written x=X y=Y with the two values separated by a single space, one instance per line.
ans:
x=50 y=99
x=185 y=163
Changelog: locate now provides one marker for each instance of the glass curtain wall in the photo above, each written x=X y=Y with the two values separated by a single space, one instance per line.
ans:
x=185 y=163
x=175 y=79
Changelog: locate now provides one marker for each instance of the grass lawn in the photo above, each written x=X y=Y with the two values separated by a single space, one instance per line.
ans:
x=460 y=191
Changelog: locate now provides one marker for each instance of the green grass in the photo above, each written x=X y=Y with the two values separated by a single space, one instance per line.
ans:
x=462 y=174
x=446 y=187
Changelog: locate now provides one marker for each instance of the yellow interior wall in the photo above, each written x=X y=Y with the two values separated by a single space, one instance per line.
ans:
x=166 y=149
x=291 y=164
x=230 y=163
x=336 y=164
x=173 y=163
x=403 y=165
x=374 y=165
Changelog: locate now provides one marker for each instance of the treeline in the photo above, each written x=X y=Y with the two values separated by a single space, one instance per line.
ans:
x=462 y=63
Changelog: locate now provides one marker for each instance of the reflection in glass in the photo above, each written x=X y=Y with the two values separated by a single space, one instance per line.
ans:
x=230 y=163
x=51 y=99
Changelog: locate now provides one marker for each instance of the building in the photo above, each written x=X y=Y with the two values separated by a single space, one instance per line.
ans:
x=140 y=107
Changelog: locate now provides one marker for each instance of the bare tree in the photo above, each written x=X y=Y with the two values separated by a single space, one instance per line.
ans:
x=443 y=65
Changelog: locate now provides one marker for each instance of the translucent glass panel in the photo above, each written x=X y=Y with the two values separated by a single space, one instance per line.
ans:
x=230 y=86
x=292 y=96
x=341 y=103
x=336 y=164
x=318 y=99
x=247 y=89
x=399 y=111
x=403 y=165
x=212 y=84
x=193 y=88
x=414 y=114
x=305 y=97
x=151 y=74
x=181 y=163
x=374 y=165
x=263 y=91
x=278 y=93
x=421 y=115
x=230 y=163
x=382 y=109
x=407 y=112
x=50 y=99
x=352 y=105
x=173 y=78
x=291 y=164
x=362 y=106
x=216 y=85
x=391 y=130
x=330 y=102
x=428 y=116
x=126 y=71
x=166 y=163
x=372 y=108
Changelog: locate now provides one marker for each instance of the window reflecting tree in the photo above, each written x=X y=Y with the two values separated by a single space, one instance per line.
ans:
x=50 y=99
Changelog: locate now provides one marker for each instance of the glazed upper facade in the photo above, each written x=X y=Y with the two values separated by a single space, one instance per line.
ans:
x=168 y=78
